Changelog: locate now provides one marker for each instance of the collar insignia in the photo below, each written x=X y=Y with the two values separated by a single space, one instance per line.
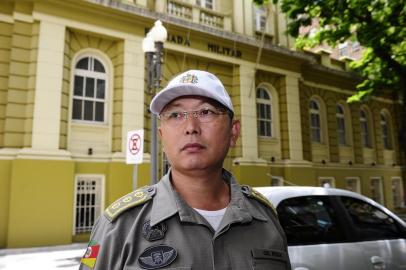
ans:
x=154 y=233
x=189 y=78
x=157 y=256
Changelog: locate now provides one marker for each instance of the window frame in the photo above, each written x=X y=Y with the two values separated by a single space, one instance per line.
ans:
x=386 y=126
x=343 y=49
x=260 y=17
x=401 y=194
x=330 y=179
x=366 y=136
x=88 y=177
x=357 y=185
x=203 y=4
x=341 y=119
x=380 y=189
x=95 y=76
x=267 y=103
x=316 y=112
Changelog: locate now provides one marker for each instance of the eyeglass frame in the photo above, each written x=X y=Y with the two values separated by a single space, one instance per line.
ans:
x=196 y=114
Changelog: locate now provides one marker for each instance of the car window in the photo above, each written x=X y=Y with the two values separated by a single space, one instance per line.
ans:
x=309 y=220
x=371 y=223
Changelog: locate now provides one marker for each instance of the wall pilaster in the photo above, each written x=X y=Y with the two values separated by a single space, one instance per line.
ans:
x=48 y=87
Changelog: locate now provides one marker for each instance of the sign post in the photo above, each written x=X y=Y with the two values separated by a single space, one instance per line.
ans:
x=135 y=151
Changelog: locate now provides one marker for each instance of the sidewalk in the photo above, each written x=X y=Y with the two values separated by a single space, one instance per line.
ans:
x=44 y=258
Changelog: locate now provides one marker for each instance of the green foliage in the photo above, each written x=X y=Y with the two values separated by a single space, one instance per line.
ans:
x=378 y=25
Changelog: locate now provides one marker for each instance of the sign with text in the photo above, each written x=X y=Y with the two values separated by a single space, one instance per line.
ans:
x=135 y=146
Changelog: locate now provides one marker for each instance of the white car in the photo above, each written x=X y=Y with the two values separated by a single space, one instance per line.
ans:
x=334 y=229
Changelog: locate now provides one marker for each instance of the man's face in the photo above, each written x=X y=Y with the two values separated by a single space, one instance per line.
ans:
x=194 y=144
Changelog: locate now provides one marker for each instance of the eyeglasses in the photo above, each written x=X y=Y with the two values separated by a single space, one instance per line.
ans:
x=204 y=115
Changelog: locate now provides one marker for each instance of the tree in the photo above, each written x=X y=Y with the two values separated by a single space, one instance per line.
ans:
x=378 y=25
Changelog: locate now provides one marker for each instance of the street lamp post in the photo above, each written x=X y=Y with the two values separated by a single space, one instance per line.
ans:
x=153 y=45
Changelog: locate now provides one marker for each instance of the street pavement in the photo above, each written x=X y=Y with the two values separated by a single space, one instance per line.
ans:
x=44 y=258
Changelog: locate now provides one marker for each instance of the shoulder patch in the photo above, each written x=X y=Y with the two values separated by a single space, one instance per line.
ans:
x=252 y=193
x=137 y=197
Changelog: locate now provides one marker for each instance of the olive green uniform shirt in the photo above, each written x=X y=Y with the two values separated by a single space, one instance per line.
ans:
x=161 y=231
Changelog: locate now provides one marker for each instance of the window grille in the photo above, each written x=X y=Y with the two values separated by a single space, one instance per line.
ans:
x=88 y=202
x=327 y=182
x=89 y=91
x=397 y=193
x=376 y=190
x=353 y=184
x=264 y=112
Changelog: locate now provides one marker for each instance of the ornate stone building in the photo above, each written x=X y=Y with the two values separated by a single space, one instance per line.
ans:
x=72 y=83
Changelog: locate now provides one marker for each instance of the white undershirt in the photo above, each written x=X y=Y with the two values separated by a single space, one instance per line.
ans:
x=213 y=217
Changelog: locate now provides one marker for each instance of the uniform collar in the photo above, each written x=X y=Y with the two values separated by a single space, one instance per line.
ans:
x=168 y=202
x=240 y=208
x=164 y=203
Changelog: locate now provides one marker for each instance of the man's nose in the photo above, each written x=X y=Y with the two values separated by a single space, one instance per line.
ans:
x=192 y=124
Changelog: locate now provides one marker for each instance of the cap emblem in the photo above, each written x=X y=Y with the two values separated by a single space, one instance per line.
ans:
x=189 y=78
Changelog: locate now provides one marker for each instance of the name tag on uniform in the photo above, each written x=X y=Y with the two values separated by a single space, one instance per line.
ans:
x=273 y=254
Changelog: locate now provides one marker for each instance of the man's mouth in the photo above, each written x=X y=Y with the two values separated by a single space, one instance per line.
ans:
x=192 y=146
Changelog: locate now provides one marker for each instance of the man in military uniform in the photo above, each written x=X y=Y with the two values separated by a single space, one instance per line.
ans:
x=197 y=216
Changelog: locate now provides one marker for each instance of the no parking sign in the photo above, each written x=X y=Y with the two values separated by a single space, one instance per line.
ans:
x=135 y=146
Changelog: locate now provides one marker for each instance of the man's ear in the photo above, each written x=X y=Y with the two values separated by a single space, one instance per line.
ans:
x=235 y=132
x=160 y=132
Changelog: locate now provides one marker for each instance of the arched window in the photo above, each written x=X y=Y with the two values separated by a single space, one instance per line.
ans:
x=340 y=125
x=89 y=90
x=315 y=123
x=365 y=132
x=386 y=132
x=264 y=113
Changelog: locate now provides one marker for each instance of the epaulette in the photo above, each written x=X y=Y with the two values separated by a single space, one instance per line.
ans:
x=252 y=193
x=137 y=197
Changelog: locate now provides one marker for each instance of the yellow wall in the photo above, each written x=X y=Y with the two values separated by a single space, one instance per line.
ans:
x=4 y=199
x=41 y=208
x=37 y=198
x=252 y=175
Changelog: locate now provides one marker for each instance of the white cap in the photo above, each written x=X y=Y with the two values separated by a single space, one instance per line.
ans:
x=192 y=83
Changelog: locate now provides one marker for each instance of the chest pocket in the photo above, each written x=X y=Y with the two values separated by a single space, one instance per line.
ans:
x=269 y=259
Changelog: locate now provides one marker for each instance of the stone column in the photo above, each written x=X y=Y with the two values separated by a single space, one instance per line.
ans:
x=48 y=86
x=249 y=136
x=291 y=127
x=238 y=13
x=133 y=88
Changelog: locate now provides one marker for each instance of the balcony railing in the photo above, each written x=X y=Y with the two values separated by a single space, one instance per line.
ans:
x=210 y=19
x=180 y=10
x=186 y=11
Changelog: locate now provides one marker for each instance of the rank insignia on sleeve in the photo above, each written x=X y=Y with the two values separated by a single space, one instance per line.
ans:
x=89 y=259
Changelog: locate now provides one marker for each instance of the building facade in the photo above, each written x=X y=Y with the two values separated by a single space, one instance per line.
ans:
x=73 y=83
